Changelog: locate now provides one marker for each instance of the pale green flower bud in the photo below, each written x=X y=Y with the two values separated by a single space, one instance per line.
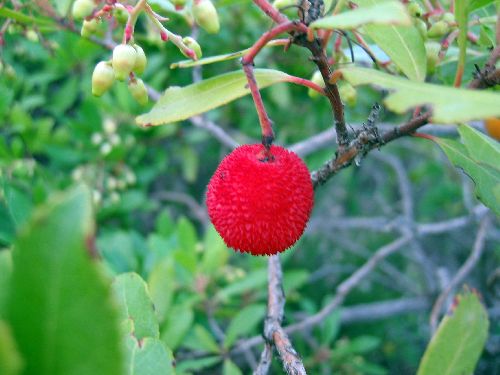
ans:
x=102 y=78
x=140 y=61
x=193 y=45
x=89 y=27
x=82 y=9
x=439 y=29
x=206 y=17
x=124 y=57
x=138 y=91
x=317 y=78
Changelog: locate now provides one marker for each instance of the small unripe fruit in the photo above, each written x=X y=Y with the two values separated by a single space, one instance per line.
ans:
x=492 y=126
x=102 y=78
x=348 y=93
x=82 y=9
x=138 y=90
x=317 y=78
x=89 y=27
x=193 y=45
x=206 y=17
x=439 y=29
x=140 y=61
x=415 y=9
x=260 y=203
x=124 y=57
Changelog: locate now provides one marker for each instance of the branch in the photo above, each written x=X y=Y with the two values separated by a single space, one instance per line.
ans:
x=462 y=273
x=361 y=145
x=273 y=331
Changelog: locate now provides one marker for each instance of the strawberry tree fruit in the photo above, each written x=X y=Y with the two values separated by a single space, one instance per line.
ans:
x=260 y=201
x=124 y=57
x=193 y=45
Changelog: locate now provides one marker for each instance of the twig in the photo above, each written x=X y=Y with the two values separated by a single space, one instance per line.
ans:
x=265 y=360
x=273 y=331
x=489 y=76
x=462 y=273
x=196 y=209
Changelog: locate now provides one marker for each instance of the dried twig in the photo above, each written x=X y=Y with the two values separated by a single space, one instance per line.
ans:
x=273 y=331
x=477 y=250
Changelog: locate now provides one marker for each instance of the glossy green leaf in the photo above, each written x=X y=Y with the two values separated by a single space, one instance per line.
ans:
x=403 y=44
x=74 y=311
x=449 y=105
x=180 y=103
x=244 y=323
x=457 y=345
x=151 y=357
x=11 y=362
x=230 y=368
x=198 y=364
x=136 y=305
x=478 y=157
x=179 y=321
x=384 y=13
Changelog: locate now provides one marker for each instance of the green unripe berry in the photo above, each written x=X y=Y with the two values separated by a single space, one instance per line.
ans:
x=138 y=90
x=121 y=15
x=415 y=10
x=206 y=17
x=82 y=9
x=348 y=93
x=193 y=45
x=140 y=61
x=102 y=78
x=124 y=57
x=89 y=27
x=317 y=78
x=421 y=27
x=439 y=29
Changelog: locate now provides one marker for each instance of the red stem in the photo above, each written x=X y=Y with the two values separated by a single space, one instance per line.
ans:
x=271 y=11
x=307 y=83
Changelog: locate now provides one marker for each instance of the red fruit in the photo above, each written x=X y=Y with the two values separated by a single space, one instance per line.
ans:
x=260 y=206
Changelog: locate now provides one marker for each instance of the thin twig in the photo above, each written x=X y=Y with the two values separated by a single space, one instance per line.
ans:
x=467 y=267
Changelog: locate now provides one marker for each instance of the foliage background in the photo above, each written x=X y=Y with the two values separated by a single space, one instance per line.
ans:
x=149 y=186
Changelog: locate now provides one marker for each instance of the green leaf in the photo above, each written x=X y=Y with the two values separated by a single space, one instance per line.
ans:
x=205 y=339
x=161 y=282
x=179 y=321
x=74 y=313
x=215 y=254
x=131 y=291
x=461 y=15
x=449 y=105
x=218 y=58
x=254 y=280
x=457 y=345
x=476 y=4
x=403 y=44
x=180 y=103
x=5 y=274
x=198 y=364
x=23 y=18
x=393 y=13
x=11 y=362
x=478 y=157
x=243 y=323
x=151 y=357
x=230 y=368
x=19 y=205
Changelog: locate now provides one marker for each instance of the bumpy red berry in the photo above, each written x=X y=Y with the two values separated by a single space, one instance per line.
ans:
x=260 y=203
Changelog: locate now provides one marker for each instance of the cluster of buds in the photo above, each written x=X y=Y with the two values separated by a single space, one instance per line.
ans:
x=437 y=25
x=205 y=15
x=127 y=61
